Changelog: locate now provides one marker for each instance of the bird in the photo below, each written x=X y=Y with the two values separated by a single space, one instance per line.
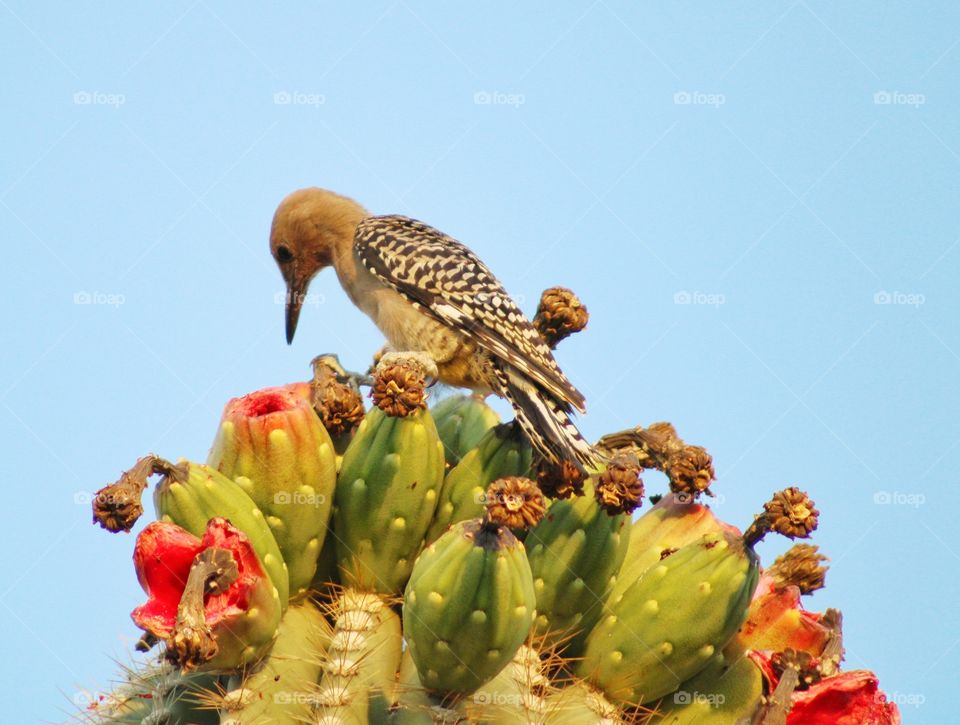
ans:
x=433 y=297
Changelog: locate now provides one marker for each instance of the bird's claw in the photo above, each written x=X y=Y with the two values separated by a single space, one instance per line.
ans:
x=330 y=362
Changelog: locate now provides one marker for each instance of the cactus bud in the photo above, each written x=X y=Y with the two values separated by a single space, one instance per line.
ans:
x=399 y=389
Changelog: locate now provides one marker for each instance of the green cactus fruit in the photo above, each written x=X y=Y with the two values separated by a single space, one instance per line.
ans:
x=503 y=451
x=462 y=421
x=385 y=499
x=580 y=703
x=669 y=623
x=728 y=690
x=468 y=606
x=272 y=444
x=675 y=521
x=575 y=553
x=190 y=494
x=361 y=663
x=282 y=689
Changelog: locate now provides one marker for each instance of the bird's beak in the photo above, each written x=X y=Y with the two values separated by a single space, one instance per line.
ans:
x=296 y=291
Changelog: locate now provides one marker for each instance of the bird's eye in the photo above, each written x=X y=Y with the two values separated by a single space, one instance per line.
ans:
x=284 y=254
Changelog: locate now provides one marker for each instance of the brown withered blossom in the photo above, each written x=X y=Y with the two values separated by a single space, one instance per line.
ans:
x=619 y=488
x=790 y=512
x=514 y=502
x=561 y=480
x=559 y=315
x=399 y=389
x=802 y=566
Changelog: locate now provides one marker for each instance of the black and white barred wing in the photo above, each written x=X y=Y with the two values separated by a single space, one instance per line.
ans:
x=444 y=278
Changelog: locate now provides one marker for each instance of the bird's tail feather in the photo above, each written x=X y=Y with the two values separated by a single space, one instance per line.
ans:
x=546 y=421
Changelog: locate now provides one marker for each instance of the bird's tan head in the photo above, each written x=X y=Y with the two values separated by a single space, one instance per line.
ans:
x=312 y=229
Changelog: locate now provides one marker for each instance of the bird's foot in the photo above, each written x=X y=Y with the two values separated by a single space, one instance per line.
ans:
x=415 y=358
x=329 y=363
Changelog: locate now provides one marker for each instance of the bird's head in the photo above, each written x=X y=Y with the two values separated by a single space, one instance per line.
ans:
x=312 y=229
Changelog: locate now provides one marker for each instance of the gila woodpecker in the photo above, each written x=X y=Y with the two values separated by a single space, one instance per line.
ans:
x=431 y=295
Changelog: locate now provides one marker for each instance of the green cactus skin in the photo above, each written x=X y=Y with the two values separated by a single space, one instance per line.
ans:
x=728 y=690
x=274 y=445
x=462 y=420
x=157 y=693
x=417 y=706
x=281 y=691
x=575 y=553
x=503 y=451
x=580 y=703
x=468 y=606
x=668 y=624
x=673 y=523
x=385 y=499
x=516 y=696
x=204 y=493
x=361 y=663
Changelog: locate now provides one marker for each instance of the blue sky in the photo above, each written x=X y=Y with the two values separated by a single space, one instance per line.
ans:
x=756 y=201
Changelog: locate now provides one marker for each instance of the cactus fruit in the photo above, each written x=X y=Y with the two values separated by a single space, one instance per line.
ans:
x=209 y=600
x=728 y=690
x=673 y=522
x=281 y=689
x=387 y=494
x=503 y=451
x=668 y=624
x=470 y=601
x=462 y=421
x=575 y=553
x=190 y=494
x=272 y=444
